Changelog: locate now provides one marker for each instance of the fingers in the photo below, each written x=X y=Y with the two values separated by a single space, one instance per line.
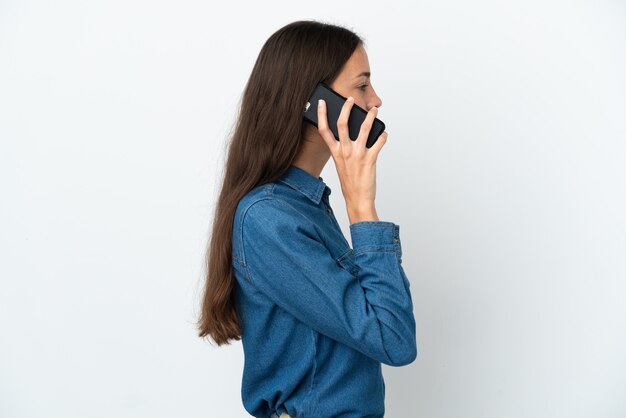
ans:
x=375 y=149
x=322 y=125
x=366 y=126
x=342 y=122
x=343 y=130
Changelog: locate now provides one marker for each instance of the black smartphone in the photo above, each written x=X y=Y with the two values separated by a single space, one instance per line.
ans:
x=334 y=103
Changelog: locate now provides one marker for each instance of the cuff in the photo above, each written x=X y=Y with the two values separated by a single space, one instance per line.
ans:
x=374 y=234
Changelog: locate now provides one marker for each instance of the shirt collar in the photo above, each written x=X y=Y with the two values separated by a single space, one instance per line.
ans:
x=310 y=186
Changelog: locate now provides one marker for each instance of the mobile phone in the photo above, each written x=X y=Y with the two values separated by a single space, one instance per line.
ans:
x=334 y=103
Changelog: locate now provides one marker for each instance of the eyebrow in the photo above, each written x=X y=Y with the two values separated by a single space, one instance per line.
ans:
x=364 y=74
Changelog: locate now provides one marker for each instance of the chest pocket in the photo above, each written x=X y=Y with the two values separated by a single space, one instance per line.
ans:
x=346 y=260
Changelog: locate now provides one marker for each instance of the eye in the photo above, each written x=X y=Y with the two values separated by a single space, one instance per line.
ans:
x=363 y=87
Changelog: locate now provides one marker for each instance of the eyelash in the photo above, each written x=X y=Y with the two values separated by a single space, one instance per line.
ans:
x=364 y=85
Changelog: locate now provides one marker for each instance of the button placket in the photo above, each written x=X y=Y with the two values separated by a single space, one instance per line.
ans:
x=329 y=210
x=326 y=202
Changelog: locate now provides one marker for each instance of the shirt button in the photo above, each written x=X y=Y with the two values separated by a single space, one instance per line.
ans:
x=396 y=240
x=329 y=210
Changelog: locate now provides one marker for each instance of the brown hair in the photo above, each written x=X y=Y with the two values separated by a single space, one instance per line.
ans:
x=267 y=137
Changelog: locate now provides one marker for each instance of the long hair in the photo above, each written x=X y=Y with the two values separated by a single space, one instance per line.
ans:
x=268 y=134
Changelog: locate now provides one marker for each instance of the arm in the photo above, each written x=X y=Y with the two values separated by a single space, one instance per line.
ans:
x=371 y=312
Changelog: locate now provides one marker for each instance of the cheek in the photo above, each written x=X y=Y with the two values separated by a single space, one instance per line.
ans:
x=360 y=98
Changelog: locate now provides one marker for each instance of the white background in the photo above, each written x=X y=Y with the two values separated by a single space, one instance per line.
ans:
x=504 y=167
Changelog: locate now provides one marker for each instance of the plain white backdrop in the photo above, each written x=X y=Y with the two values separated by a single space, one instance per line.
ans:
x=504 y=167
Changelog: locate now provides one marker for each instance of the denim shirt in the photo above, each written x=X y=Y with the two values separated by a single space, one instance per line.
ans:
x=318 y=317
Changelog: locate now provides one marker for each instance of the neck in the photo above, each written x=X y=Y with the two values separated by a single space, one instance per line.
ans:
x=313 y=154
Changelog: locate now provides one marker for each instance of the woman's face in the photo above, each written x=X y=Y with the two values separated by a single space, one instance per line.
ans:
x=354 y=80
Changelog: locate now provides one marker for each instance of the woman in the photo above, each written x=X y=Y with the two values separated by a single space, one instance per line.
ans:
x=316 y=317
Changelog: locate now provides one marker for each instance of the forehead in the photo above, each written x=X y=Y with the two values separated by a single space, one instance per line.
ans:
x=357 y=64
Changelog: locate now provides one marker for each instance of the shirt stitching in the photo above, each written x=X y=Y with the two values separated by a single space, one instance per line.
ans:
x=315 y=197
x=313 y=402
x=269 y=196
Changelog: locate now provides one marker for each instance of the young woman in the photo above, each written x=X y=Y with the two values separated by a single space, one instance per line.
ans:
x=315 y=316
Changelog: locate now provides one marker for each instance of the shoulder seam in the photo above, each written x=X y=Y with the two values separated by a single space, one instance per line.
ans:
x=240 y=230
x=265 y=190
x=268 y=197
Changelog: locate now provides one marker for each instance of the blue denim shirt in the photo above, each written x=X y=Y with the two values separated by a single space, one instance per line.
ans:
x=318 y=317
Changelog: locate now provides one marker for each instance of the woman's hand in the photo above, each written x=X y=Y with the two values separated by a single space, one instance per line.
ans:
x=355 y=163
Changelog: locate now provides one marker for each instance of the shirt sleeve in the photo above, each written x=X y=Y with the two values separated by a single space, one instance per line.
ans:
x=370 y=310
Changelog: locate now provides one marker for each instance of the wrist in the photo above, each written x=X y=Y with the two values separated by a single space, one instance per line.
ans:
x=359 y=214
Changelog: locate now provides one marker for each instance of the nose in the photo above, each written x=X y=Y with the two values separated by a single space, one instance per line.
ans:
x=377 y=102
